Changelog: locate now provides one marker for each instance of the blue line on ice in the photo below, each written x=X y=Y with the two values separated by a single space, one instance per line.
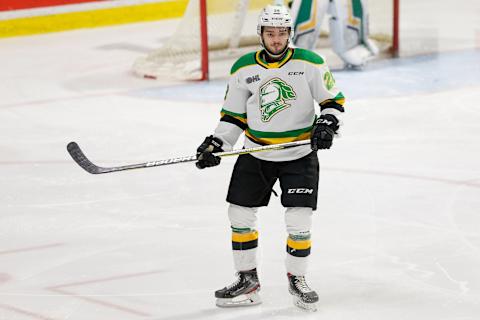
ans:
x=397 y=77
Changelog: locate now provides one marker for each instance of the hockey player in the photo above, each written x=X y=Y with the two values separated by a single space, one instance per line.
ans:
x=271 y=97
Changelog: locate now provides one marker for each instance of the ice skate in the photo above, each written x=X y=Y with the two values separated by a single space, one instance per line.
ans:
x=243 y=292
x=303 y=297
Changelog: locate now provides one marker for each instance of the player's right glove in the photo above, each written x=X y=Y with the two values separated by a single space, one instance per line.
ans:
x=323 y=131
x=206 y=150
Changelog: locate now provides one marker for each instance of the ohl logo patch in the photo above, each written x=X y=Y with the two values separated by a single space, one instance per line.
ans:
x=274 y=95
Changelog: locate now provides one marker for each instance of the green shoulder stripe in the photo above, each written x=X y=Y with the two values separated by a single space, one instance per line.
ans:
x=307 y=55
x=243 y=61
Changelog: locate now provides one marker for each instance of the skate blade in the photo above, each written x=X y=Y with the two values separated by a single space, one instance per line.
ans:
x=310 y=307
x=243 y=300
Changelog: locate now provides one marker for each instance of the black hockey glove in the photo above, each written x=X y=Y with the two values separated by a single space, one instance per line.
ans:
x=323 y=131
x=205 y=152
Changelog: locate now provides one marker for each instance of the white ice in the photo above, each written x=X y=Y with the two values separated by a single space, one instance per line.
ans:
x=396 y=236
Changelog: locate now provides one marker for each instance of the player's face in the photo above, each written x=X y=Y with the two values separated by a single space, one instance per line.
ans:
x=275 y=39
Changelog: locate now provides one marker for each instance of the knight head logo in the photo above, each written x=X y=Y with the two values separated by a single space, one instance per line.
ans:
x=274 y=95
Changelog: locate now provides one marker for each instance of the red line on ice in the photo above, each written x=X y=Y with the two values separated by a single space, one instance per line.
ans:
x=24 y=312
x=101 y=302
x=59 y=289
x=47 y=246
x=124 y=276
x=61 y=99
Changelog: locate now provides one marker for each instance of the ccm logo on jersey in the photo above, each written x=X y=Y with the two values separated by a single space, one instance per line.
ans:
x=301 y=191
x=253 y=79
x=296 y=73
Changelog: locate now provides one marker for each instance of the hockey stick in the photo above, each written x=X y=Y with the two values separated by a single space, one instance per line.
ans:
x=80 y=158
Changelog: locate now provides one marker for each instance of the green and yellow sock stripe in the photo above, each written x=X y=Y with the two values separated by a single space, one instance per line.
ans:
x=244 y=240
x=266 y=138
x=299 y=248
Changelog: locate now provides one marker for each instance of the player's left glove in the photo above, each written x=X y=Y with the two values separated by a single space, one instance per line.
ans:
x=323 y=131
x=206 y=150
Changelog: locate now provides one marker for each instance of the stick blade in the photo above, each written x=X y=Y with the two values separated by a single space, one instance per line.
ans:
x=79 y=157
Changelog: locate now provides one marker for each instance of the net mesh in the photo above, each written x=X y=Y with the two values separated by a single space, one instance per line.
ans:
x=231 y=25
x=231 y=28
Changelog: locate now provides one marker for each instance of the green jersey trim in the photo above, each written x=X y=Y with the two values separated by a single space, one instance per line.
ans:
x=233 y=114
x=307 y=55
x=339 y=98
x=284 y=134
x=273 y=65
x=244 y=61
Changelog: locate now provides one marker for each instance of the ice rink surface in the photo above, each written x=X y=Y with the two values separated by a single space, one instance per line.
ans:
x=396 y=236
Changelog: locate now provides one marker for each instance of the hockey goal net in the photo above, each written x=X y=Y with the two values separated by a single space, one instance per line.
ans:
x=226 y=30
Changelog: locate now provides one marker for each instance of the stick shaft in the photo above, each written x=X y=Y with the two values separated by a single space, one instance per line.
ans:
x=82 y=160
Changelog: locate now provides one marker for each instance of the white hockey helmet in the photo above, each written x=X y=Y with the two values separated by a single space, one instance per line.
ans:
x=274 y=16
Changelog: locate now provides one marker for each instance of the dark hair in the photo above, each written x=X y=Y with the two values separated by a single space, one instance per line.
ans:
x=262 y=27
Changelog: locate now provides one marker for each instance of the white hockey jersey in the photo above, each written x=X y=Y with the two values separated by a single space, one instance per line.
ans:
x=275 y=102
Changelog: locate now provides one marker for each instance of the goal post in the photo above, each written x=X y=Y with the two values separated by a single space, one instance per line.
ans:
x=204 y=39
x=224 y=26
x=396 y=29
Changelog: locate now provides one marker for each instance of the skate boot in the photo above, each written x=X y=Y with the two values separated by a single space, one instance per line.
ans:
x=243 y=292
x=303 y=296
